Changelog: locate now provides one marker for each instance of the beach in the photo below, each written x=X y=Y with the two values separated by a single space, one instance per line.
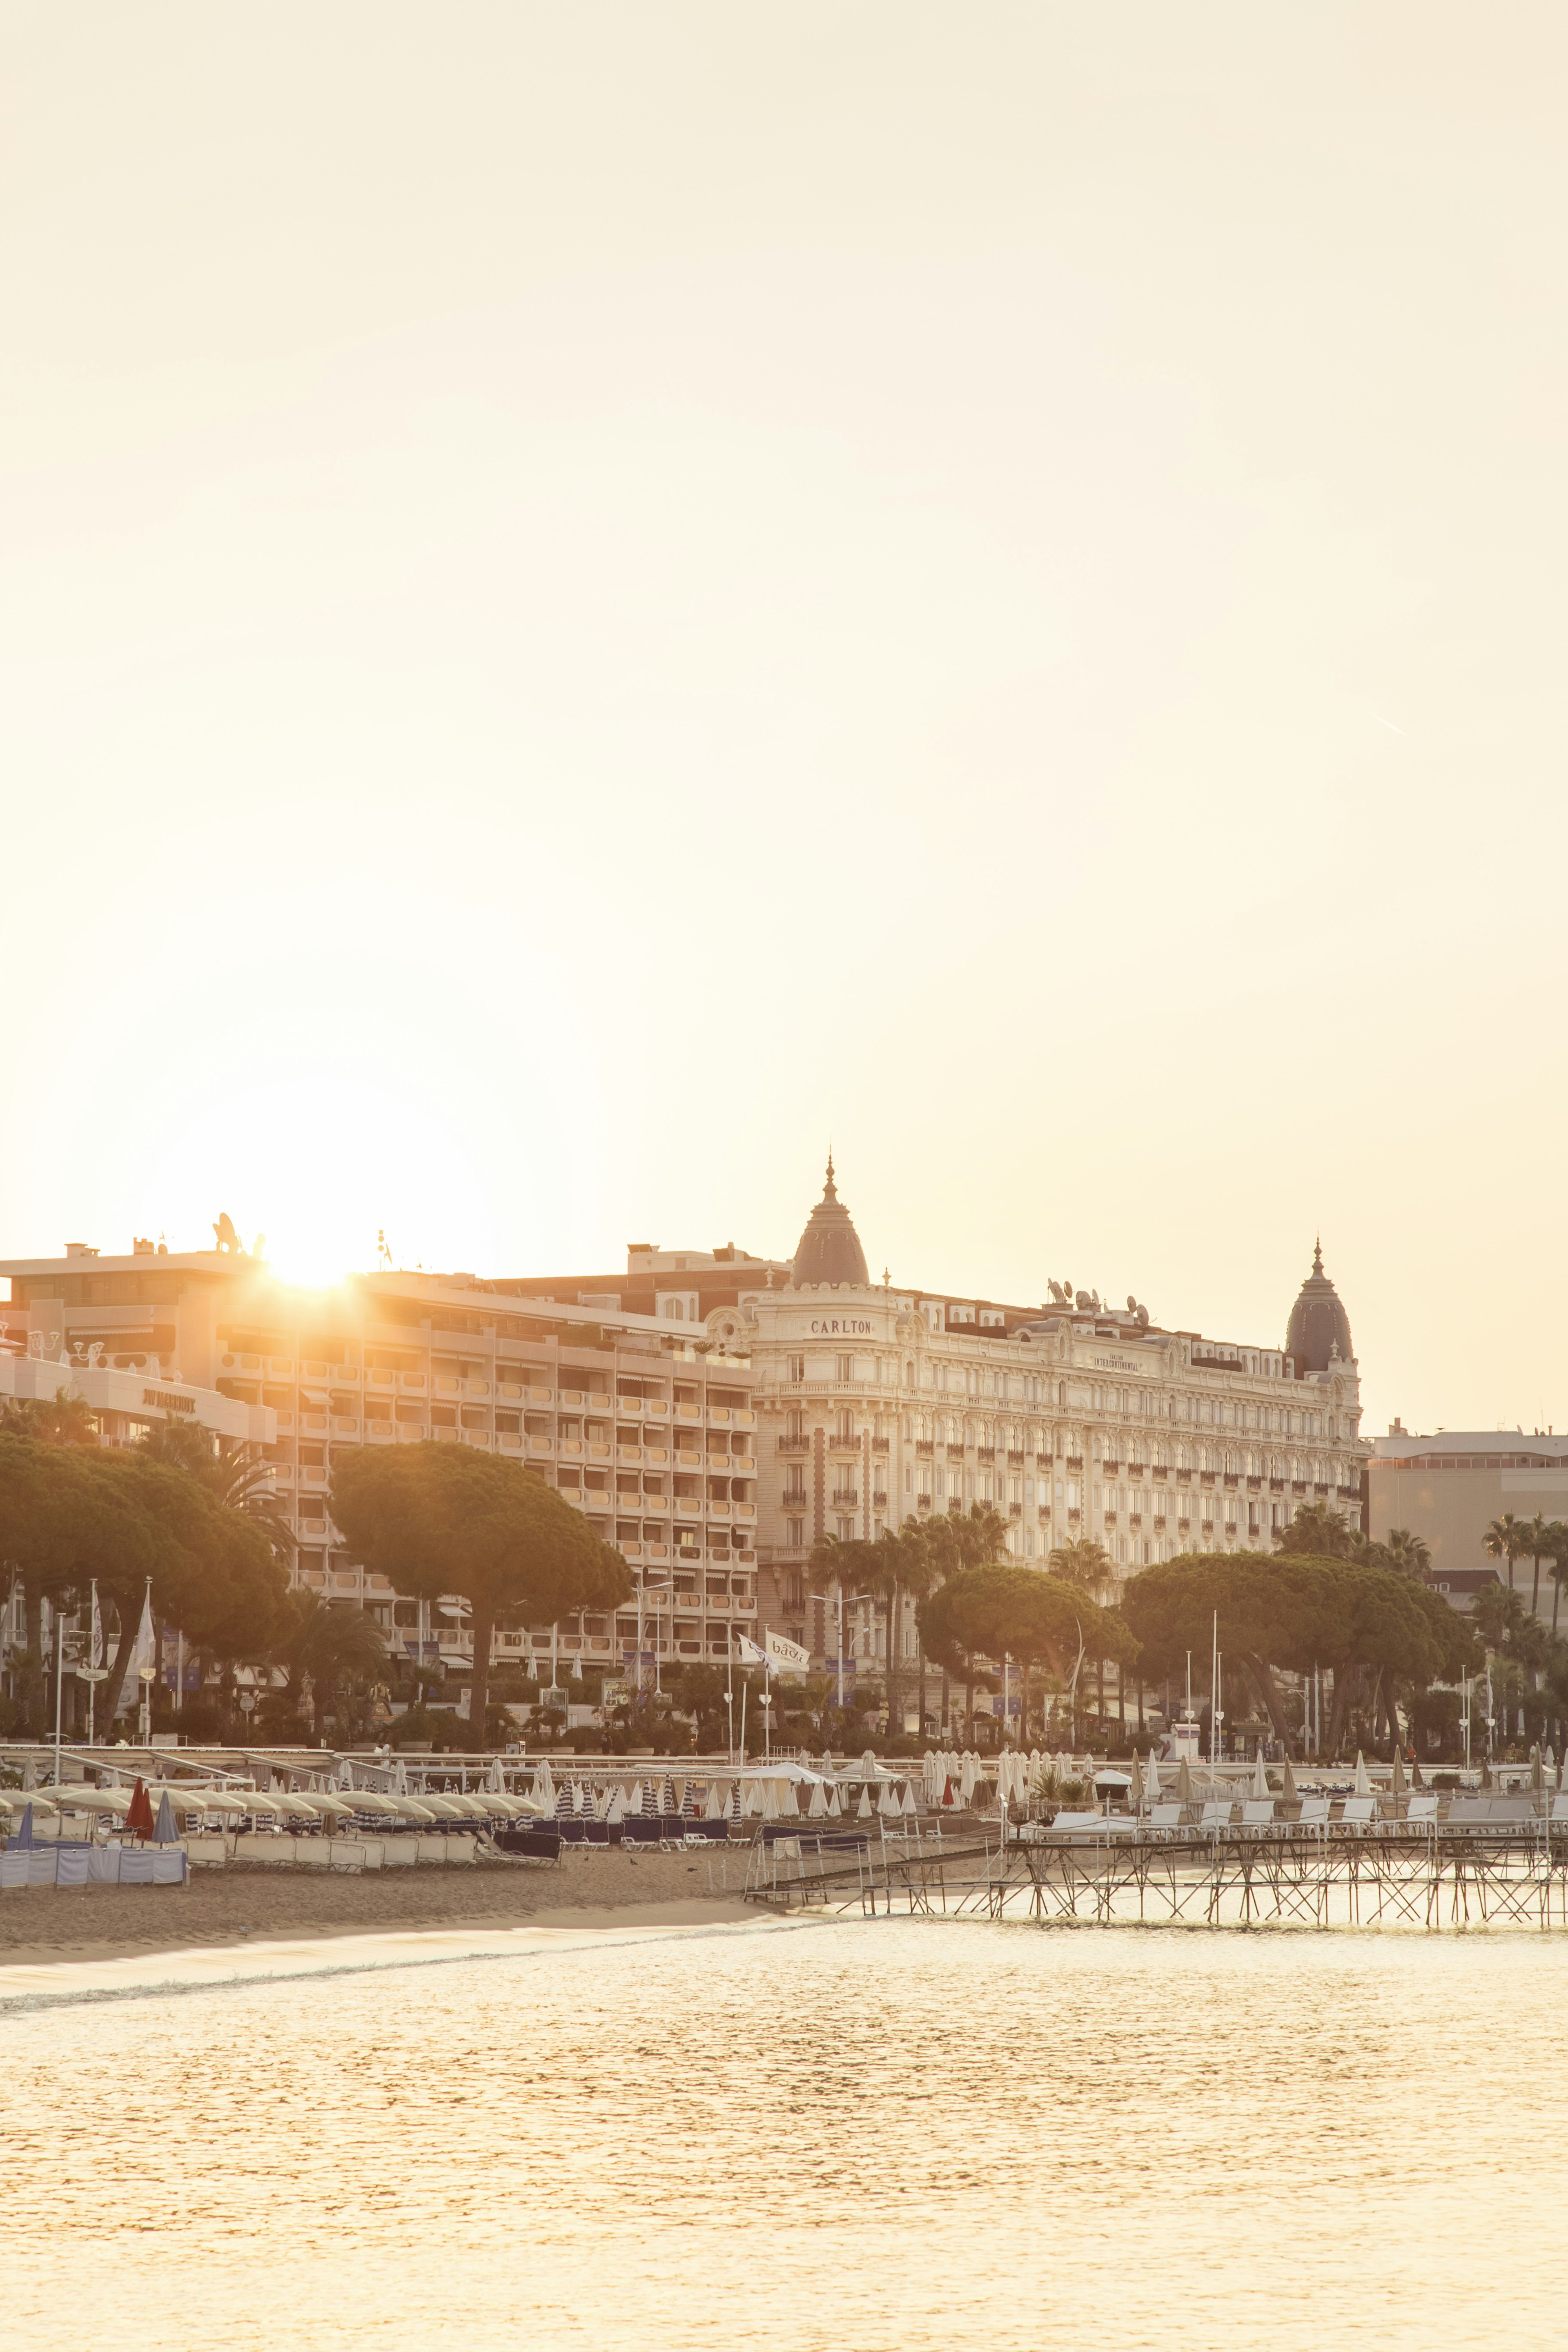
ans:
x=598 y=1888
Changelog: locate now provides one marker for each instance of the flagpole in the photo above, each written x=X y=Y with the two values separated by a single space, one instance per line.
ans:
x=59 y=1684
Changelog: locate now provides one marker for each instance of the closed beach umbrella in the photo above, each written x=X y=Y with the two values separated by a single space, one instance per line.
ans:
x=1398 y=1784
x=713 y=1810
x=834 y=1805
x=139 y=1817
x=863 y=1810
x=545 y=1785
x=910 y=1803
x=737 y=1801
x=817 y=1809
x=1363 y=1777
x=1289 y=1782
x=689 y=1802
x=24 y=1834
x=1259 y=1776
x=617 y=1808
x=164 y=1829
x=649 y=1802
x=1152 y=1781
x=887 y=1804
x=1184 y=1781
x=1537 y=1777
x=969 y=1772
x=1486 y=1776
x=947 y=1796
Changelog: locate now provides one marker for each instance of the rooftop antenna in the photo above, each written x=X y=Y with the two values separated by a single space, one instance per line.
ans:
x=382 y=1254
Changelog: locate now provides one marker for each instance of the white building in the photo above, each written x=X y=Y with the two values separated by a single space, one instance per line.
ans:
x=877 y=1404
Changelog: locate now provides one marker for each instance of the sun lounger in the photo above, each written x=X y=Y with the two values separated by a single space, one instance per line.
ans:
x=1314 y=1814
x=1077 y=1825
x=1359 y=1814
x=1216 y=1813
x=1560 y=1808
x=1164 y=1818
x=1257 y=1813
x=1422 y=1813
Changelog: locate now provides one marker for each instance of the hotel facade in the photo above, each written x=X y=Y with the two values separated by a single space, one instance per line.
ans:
x=632 y=1418
x=876 y=1404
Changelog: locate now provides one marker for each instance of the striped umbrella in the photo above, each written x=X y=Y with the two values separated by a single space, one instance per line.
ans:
x=737 y=1805
x=666 y=1801
x=689 y=1802
x=649 y=1802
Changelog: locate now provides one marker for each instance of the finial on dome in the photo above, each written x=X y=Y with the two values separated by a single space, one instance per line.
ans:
x=828 y=1191
x=1318 y=1255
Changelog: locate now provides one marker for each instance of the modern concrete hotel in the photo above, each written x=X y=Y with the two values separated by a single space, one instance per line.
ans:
x=648 y=1432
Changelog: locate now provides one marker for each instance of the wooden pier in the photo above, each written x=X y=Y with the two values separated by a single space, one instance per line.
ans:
x=1433 y=1878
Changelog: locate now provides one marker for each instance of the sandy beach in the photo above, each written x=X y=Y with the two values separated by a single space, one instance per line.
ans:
x=599 y=1888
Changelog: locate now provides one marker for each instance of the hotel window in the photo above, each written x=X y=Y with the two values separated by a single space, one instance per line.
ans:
x=794 y=1367
x=846 y=1368
x=797 y=1534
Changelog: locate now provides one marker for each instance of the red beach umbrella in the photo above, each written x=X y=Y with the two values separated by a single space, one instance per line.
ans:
x=139 y=1817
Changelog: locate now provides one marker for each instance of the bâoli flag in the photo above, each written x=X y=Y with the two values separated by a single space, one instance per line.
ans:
x=785 y=1657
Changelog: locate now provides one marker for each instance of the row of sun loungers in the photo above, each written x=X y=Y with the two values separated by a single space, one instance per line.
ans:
x=1260 y=1816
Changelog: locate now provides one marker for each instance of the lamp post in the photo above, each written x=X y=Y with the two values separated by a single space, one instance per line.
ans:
x=643 y=1590
x=854 y=1598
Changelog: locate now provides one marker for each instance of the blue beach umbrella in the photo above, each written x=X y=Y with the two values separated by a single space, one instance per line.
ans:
x=164 y=1829
x=24 y=1834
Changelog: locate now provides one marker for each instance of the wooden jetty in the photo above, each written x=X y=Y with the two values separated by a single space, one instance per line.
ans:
x=1430 y=1876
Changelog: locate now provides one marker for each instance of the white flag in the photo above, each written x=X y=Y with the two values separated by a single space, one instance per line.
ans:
x=785 y=1657
x=95 y=1647
x=145 y=1656
x=750 y=1653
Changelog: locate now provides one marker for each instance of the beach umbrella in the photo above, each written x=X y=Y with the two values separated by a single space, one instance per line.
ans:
x=24 y=1834
x=1289 y=1782
x=737 y=1801
x=863 y=1810
x=495 y=1780
x=1397 y=1783
x=618 y=1806
x=1416 y=1779
x=1184 y=1781
x=911 y=1804
x=545 y=1785
x=835 y=1807
x=887 y=1804
x=1363 y=1777
x=1152 y=1781
x=139 y=1817
x=1135 y=1790
x=164 y=1829
x=563 y=1800
x=667 y=1803
x=713 y=1810
x=1259 y=1776
x=969 y=1772
x=1537 y=1777
x=649 y=1802
x=689 y=1802
x=818 y=1808
x=947 y=1796
x=769 y=1806
x=1486 y=1776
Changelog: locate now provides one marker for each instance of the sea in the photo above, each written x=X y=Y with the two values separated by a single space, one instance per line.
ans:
x=851 y=2134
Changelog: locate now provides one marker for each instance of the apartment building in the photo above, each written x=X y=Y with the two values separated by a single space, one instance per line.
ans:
x=1447 y=1488
x=646 y=1427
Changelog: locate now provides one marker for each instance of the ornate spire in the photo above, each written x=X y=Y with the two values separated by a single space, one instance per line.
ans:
x=829 y=1251
x=1318 y=1255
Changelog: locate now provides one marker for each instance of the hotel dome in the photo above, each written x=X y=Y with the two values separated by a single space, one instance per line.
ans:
x=829 y=1250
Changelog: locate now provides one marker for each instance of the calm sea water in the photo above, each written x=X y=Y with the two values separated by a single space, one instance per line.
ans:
x=860 y=2136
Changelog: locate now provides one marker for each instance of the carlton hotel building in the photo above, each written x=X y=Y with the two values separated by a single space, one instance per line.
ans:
x=877 y=1404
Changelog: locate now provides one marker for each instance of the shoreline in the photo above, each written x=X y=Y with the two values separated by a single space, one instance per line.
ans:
x=239 y=1909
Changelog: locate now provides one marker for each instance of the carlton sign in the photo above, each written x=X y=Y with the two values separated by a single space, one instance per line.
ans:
x=841 y=1327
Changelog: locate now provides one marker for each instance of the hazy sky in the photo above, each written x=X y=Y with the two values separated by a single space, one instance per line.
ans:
x=590 y=595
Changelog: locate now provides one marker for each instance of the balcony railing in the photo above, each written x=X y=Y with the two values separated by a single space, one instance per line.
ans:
x=925 y=1445
x=982 y=1453
x=799 y=1443
x=955 y=1453
x=845 y=1498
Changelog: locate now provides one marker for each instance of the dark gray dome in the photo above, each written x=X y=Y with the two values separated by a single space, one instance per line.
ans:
x=829 y=1249
x=1318 y=1325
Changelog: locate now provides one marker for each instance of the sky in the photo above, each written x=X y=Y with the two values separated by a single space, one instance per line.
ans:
x=593 y=598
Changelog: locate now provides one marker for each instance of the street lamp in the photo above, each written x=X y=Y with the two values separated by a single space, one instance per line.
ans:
x=854 y=1598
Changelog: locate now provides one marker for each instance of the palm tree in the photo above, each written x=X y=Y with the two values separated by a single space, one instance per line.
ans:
x=237 y=1476
x=1088 y=1565
x=330 y=1644
x=52 y=1421
x=1405 y=1553
x=1535 y=1539
x=1557 y=1553
x=1503 y=1540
